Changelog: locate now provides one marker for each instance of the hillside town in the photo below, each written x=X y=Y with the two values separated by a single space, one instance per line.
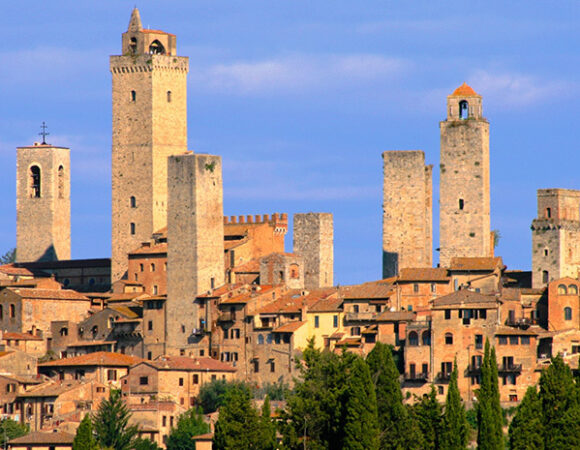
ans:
x=190 y=296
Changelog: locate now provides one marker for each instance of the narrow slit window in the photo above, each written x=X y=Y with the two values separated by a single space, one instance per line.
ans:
x=35 y=182
x=461 y=204
x=60 y=182
x=168 y=96
x=133 y=96
x=133 y=202
x=132 y=228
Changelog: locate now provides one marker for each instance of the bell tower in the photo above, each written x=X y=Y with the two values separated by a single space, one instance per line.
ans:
x=464 y=211
x=149 y=125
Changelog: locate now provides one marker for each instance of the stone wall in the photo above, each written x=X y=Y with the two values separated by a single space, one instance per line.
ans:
x=314 y=241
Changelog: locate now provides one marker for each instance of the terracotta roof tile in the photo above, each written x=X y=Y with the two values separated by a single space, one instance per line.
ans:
x=20 y=336
x=95 y=359
x=475 y=264
x=293 y=301
x=465 y=297
x=51 y=388
x=423 y=274
x=327 y=305
x=370 y=290
x=11 y=269
x=191 y=364
x=464 y=91
x=160 y=248
x=396 y=316
x=510 y=331
x=252 y=266
x=49 y=294
x=38 y=437
x=289 y=327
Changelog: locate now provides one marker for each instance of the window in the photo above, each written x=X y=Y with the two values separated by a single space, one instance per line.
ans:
x=545 y=276
x=171 y=421
x=260 y=339
x=152 y=267
x=181 y=381
x=133 y=96
x=132 y=227
x=133 y=202
x=60 y=182
x=525 y=340
x=34 y=182
x=272 y=366
x=548 y=213
x=286 y=338
x=412 y=370
x=479 y=341
x=440 y=390
x=316 y=321
x=483 y=313
x=64 y=331
x=413 y=339
x=168 y=96
x=155 y=290
x=141 y=267
x=1 y=312
x=355 y=308
x=447 y=314
x=111 y=375
x=562 y=289
x=256 y=366
x=150 y=325
x=164 y=421
x=235 y=333
x=149 y=356
x=195 y=378
x=415 y=288
x=567 y=313
x=334 y=320
x=433 y=288
x=133 y=45
x=212 y=283
x=156 y=48
x=546 y=252
x=573 y=289
x=461 y=204
x=355 y=331
x=426 y=337
x=143 y=381
x=213 y=377
x=502 y=340
x=294 y=271
x=425 y=368
x=463 y=109
x=514 y=340
x=277 y=338
x=448 y=339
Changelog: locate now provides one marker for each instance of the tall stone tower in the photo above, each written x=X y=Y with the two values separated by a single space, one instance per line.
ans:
x=556 y=236
x=149 y=124
x=195 y=236
x=314 y=241
x=464 y=221
x=407 y=211
x=42 y=203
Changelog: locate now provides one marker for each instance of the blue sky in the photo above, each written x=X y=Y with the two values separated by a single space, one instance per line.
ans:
x=300 y=98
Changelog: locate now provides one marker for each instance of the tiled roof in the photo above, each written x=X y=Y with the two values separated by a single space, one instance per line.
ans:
x=90 y=344
x=293 y=301
x=191 y=364
x=465 y=297
x=464 y=91
x=424 y=274
x=229 y=244
x=11 y=269
x=395 y=316
x=252 y=266
x=289 y=327
x=49 y=294
x=154 y=406
x=156 y=32
x=203 y=437
x=38 y=437
x=51 y=389
x=511 y=331
x=370 y=290
x=349 y=342
x=475 y=264
x=160 y=248
x=95 y=359
x=20 y=336
x=4 y=353
x=327 y=305
x=126 y=311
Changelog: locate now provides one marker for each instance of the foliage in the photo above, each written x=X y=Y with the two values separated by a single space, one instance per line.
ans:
x=111 y=423
x=147 y=444
x=267 y=426
x=427 y=413
x=489 y=413
x=455 y=427
x=212 y=395
x=9 y=257
x=496 y=237
x=189 y=424
x=526 y=429
x=85 y=436
x=11 y=429
x=274 y=391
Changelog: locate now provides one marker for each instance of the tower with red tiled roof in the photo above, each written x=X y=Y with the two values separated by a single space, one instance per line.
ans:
x=149 y=125
x=464 y=206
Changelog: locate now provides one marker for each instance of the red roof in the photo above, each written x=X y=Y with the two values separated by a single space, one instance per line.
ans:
x=423 y=274
x=467 y=264
x=49 y=294
x=191 y=364
x=20 y=336
x=290 y=327
x=95 y=359
x=11 y=269
x=464 y=91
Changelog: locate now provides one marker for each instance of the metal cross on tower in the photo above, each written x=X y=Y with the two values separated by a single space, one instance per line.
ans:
x=43 y=133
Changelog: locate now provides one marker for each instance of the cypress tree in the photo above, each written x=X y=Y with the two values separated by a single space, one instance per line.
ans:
x=428 y=415
x=489 y=416
x=497 y=412
x=111 y=423
x=267 y=426
x=526 y=429
x=85 y=438
x=360 y=420
x=455 y=427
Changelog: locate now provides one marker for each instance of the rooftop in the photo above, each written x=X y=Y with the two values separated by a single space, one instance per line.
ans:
x=423 y=274
x=38 y=437
x=48 y=294
x=465 y=264
x=465 y=297
x=194 y=364
x=95 y=359
x=464 y=91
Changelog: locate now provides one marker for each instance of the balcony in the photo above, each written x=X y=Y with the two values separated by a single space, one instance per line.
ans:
x=227 y=317
x=510 y=368
x=423 y=376
x=522 y=322
x=443 y=377
x=360 y=316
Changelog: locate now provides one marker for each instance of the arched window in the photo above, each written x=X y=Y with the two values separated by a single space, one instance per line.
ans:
x=60 y=182
x=567 y=313
x=133 y=96
x=132 y=226
x=152 y=267
x=64 y=331
x=133 y=202
x=95 y=330
x=562 y=290
x=261 y=339
x=156 y=48
x=133 y=45
x=548 y=213
x=413 y=339
x=463 y=109
x=294 y=271
x=426 y=338
x=573 y=289
x=448 y=339
x=545 y=276
x=34 y=182
x=168 y=96
x=269 y=338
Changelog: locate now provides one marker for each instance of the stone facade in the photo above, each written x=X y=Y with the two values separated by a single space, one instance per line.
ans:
x=149 y=124
x=464 y=206
x=195 y=230
x=314 y=241
x=42 y=203
x=407 y=211
x=282 y=268
x=556 y=236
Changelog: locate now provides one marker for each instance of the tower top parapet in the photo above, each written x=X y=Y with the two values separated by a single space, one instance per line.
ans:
x=139 y=41
x=464 y=103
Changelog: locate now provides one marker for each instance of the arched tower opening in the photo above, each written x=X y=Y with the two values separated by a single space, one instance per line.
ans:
x=156 y=48
x=34 y=181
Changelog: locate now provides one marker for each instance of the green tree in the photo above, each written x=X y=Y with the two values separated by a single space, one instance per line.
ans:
x=526 y=429
x=560 y=406
x=489 y=415
x=9 y=257
x=238 y=425
x=428 y=415
x=267 y=426
x=111 y=423
x=146 y=444
x=212 y=395
x=360 y=415
x=189 y=424
x=85 y=437
x=11 y=429
x=455 y=427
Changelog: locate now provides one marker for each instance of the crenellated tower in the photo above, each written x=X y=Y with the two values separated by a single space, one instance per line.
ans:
x=149 y=125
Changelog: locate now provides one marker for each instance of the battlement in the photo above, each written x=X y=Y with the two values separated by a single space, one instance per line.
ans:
x=148 y=63
x=275 y=219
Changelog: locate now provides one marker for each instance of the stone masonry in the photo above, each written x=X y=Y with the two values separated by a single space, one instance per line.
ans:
x=407 y=211
x=195 y=236
x=42 y=203
x=314 y=241
x=464 y=205
x=556 y=236
x=149 y=124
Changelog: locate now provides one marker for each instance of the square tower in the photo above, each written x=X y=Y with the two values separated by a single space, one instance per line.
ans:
x=149 y=125
x=314 y=241
x=195 y=242
x=42 y=203
x=407 y=211
x=464 y=211
x=556 y=236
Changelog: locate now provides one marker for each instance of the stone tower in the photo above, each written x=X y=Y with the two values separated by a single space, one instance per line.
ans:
x=42 y=203
x=556 y=236
x=314 y=241
x=407 y=211
x=149 y=124
x=195 y=236
x=464 y=221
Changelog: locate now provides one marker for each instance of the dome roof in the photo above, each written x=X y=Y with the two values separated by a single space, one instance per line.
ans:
x=464 y=91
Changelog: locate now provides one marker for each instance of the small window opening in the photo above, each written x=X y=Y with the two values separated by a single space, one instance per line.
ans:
x=133 y=96
x=548 y=213
x=60 y=182
x=168 y=96
x=133 y=202
x=35 y=181
x=545 y=276
x=567 y=313
x=132 y=228
x=461 y=204
x=546 y=252
x=463 y=109
x=133 y=45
